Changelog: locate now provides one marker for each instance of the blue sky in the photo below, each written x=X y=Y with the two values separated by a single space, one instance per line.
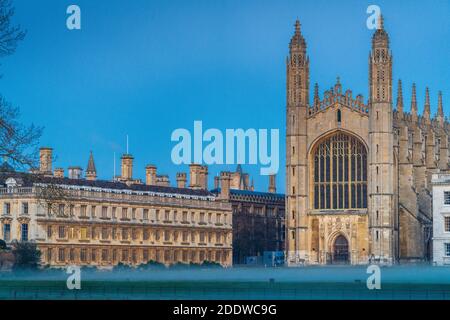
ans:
x=145 y=68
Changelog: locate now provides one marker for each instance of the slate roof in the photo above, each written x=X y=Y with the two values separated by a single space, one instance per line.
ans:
x=30 y=179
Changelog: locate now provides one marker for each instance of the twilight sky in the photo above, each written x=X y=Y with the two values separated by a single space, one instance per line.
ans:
x=145 y=68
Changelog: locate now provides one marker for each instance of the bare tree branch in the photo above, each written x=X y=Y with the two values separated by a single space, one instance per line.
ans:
x=55 y=199
x=18 y=143
x=9 y=35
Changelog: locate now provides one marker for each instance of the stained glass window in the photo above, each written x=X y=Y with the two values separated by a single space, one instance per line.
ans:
x=340 y=173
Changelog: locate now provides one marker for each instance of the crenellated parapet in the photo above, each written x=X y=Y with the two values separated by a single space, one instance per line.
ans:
x=335 y=96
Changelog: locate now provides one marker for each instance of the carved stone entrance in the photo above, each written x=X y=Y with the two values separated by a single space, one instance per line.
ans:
x=340 y=250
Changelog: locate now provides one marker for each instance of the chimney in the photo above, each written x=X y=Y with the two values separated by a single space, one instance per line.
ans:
x=181 y=180
x=127 y=167
x=225 y=178
x=45 y=158
x=150 y=175
x=216 y=182
x=204 y=177
x=75 y=172
x=247 y=181
x=194 y=176
x=58 y=173
x=272 y=186
x=163 y=180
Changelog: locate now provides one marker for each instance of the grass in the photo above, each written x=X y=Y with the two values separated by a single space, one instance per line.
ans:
x=173 y=290
x=236 y=283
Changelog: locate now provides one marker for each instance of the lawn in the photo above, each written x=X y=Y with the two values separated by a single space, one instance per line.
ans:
x=257 y=283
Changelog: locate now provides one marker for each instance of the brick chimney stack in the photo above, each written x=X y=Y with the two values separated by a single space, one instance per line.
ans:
x=127 y=167
x=75 y=172
x=150 y=175
x=58 y=173
x=181 y=180
x=45 y=160
x=194 y=176
x=225 y=180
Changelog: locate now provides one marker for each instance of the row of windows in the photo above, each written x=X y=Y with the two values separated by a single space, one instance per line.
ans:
x=124 y=213
x=86 y=211
x=7 y=232
x=7 y=208
x=133 y=255
x=125 y=234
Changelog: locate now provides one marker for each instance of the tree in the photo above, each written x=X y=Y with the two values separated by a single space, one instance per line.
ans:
x=55 y=199
x=9 y=35
x=26 y=254
x=2 y=244
x=18 y=143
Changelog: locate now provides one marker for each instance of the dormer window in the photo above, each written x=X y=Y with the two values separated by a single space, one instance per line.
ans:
x=10 y=183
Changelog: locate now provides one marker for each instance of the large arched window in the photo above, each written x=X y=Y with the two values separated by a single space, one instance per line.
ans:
x=340 y=173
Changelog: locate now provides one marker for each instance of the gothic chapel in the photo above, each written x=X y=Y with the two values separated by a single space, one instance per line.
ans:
x=358 y=173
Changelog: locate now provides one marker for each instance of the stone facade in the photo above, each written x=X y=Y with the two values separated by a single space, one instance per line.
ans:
x=258 y=217
x=358 y=173
x=103 y=223
x=441 y=219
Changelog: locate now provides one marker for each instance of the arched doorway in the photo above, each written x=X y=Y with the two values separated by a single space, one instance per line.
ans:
x=340 y=250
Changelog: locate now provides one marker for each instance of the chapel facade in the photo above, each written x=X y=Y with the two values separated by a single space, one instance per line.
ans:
x=358 y=173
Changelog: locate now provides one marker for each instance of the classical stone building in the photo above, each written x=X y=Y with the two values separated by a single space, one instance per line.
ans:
x=359 y=172
x=441 y=219
x=258 y=217
x=85 y=221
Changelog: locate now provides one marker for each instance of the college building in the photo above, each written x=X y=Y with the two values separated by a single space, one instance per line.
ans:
x=258 y=218
x=441 y=219
x=81 y=220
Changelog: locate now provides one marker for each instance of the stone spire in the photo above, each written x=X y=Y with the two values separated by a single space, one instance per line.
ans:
x=414 y=104
x=380 y=38
x=400 y=100
x=426 y=109
x=91 y=172
x=272 y=184
x=298 y=70
x=380 y=22
x=297 y=39
x=316 y=96
x=440 y=111
x=380 y=67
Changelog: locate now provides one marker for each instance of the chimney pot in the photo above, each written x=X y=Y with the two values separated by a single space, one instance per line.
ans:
x=225 y=179
x=127 y=167
x=75 y=172
x=58 y=173
x=45 y=158
x=150 y=175
x=181 y=180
